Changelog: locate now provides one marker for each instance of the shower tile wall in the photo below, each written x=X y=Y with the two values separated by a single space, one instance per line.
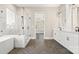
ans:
x=3 y=17
x=2 y=21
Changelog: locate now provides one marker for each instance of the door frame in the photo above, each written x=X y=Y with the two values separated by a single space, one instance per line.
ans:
x=35 y=22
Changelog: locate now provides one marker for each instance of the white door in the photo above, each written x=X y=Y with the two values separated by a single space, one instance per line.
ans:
x=39 y=25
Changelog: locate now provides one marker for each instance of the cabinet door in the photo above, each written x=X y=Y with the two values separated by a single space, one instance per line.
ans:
x=76 y=43
x=70 y=42
x=64 y=39
x=55 y=34
x=61 y=37
x=58 y=36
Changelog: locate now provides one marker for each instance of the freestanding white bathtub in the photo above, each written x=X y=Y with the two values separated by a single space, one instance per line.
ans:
x=9 y=42
x=6 y=44
x=20 y=41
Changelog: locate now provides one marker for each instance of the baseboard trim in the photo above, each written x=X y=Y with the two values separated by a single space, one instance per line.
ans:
x=48 y=38
x=32 y=38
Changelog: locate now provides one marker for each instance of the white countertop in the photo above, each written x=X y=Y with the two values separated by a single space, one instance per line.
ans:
x=68 y=31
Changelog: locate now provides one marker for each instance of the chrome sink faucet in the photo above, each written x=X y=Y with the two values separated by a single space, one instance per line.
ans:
x=60 y=28
x=77 y=29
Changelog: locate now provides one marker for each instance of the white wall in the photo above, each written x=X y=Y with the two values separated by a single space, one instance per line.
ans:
x=51 y=22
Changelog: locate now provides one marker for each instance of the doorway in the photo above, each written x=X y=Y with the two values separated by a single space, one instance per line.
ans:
x=39 y=25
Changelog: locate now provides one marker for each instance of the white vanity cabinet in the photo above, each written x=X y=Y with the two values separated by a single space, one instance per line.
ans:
x=60 y=37
x=69 y=40
x=66 y=33
x=73 y=42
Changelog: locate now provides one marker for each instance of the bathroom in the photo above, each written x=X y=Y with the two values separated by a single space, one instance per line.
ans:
x=22 y=23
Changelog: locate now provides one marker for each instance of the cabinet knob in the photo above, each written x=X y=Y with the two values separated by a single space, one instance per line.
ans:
x=68 y=38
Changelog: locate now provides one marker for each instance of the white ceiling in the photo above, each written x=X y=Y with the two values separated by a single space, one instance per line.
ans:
x=37 y=5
